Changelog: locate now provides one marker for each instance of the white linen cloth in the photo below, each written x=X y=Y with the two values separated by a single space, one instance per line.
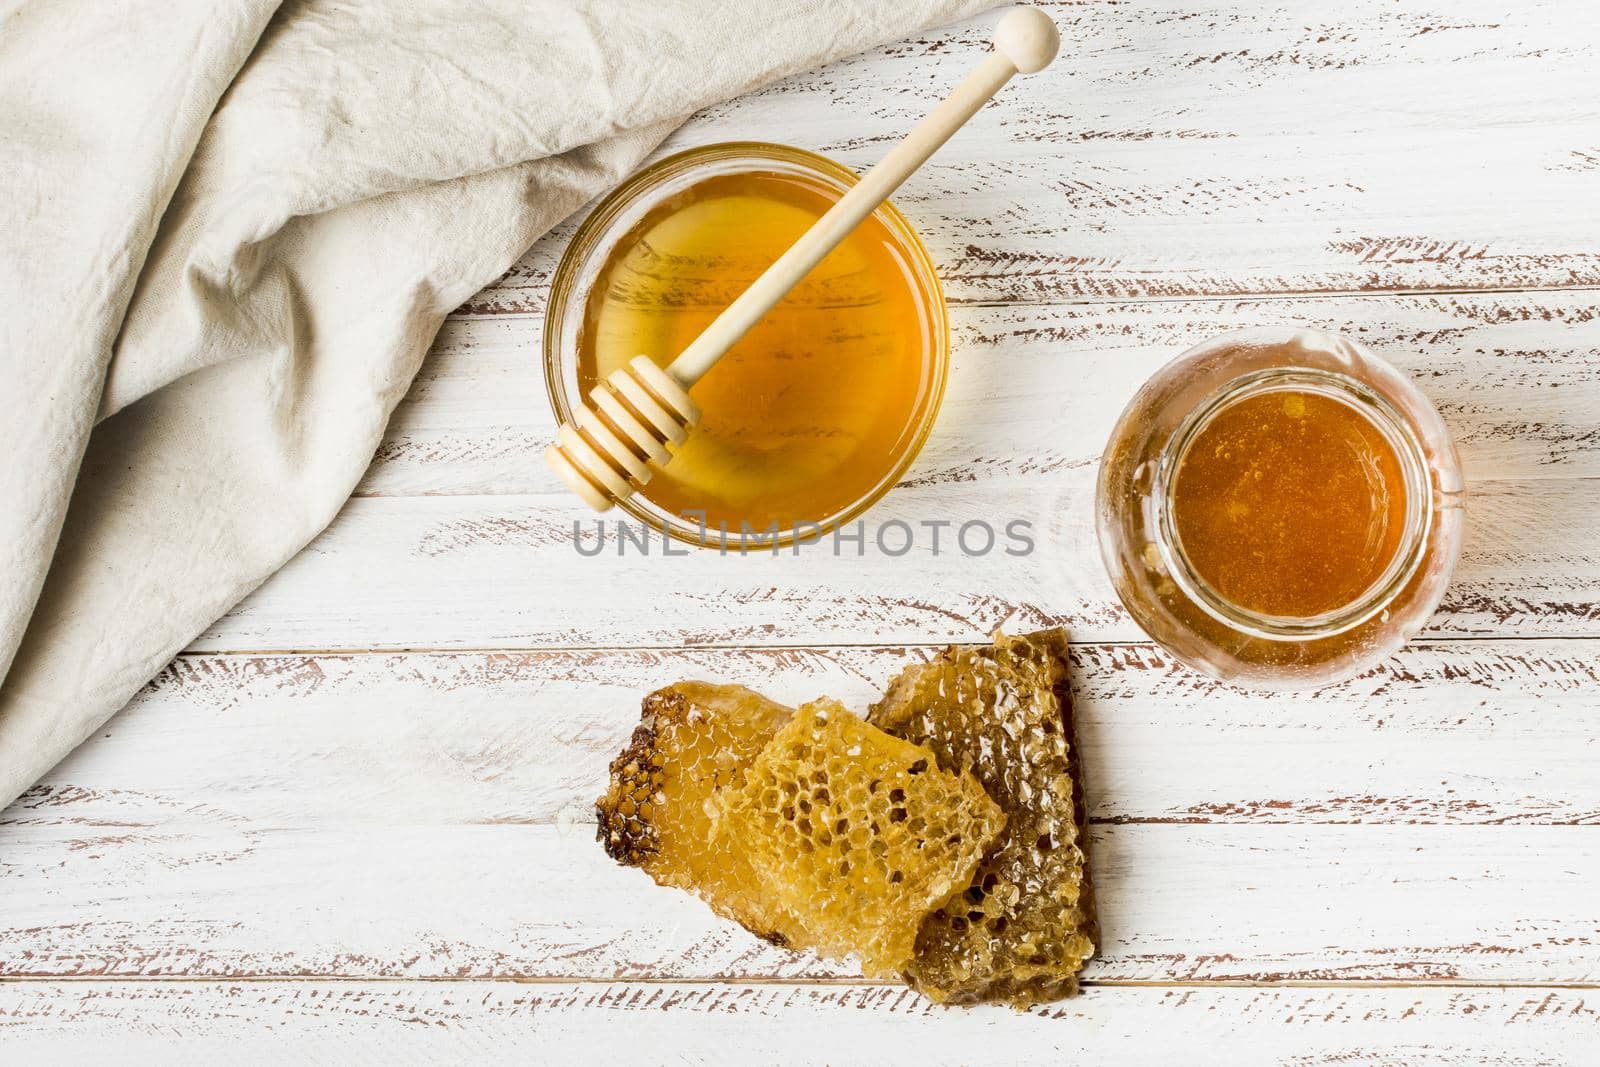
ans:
x=229 y=230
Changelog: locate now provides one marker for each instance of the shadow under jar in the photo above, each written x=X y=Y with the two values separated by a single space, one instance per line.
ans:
x=1280 y=507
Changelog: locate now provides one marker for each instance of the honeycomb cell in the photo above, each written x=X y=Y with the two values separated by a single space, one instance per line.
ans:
x=852 y=877
x=1024 y=925
x=694 y=741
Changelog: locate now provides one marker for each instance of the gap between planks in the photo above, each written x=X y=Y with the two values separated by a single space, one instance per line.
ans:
x=843 y=982
x=823 y=646
x=1169 y=298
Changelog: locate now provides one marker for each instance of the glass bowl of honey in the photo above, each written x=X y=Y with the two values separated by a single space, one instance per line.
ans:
x=821 y=407
x=1280 y=507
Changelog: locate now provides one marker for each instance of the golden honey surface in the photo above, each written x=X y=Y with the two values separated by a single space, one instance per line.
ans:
x=819 y=402
x=1289 y=503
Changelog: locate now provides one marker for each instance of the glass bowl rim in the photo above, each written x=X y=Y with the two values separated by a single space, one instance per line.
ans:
x=590 y=239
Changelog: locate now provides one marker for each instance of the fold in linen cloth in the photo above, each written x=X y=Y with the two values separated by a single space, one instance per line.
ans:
x=229 y=230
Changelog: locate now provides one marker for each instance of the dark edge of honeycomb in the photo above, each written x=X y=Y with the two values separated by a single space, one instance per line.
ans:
x=1018 y=993
x=628 y=839
x=1080 y=804
x=1024 y=993
x=1027 y=992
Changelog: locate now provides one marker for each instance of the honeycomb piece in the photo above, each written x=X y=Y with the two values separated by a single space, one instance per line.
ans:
x=1023 y=928
x=857 y=834
x=694 y=741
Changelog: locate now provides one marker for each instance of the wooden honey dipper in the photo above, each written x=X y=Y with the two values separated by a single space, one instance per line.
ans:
x=606 y=452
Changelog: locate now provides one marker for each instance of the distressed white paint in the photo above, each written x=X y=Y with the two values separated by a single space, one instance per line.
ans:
x=1460 y=732
x=502 y=572
x=319 y=831
x=1384 y=903
x=1253 y=147
x=1035 y=389
x=630 y=1023
x=1034 y=392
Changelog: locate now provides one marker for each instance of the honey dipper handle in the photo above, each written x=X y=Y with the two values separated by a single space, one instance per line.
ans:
x=1025 y=41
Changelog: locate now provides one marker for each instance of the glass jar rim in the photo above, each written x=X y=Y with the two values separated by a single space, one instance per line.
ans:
x=1408 y=556
x=568 y=289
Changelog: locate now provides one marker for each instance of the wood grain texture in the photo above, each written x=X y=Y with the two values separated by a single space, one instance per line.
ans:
x=343 y=1022
x=1224 y=148
x=1381 y=903
x=345 y=854
x=1034 y=393
x=1034 y=390
x=503 y=572
x=1460 y=733
x=428 y=816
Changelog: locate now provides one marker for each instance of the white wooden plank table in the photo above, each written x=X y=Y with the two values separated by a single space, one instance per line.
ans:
x=353 y=820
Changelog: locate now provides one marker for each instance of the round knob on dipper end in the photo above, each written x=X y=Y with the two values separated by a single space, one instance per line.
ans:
x=609 y=448
x=1028 y=37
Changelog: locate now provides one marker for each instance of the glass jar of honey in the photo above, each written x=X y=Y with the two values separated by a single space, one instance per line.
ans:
x=1280 y=507
x=817 y=411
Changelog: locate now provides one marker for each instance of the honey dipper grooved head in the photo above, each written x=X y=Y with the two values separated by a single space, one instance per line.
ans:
x=606 y=451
